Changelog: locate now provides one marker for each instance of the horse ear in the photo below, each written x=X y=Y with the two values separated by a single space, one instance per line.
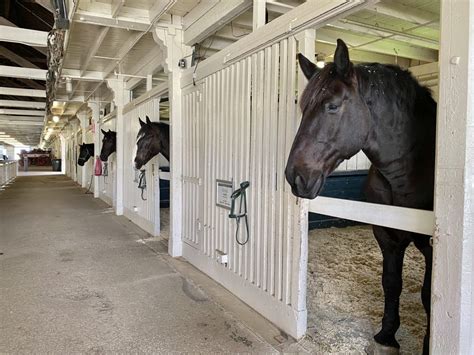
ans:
x=110 y=131
x=148 y=120
x=308 y=67
x=341 y=59
x=141 y=122
x=103 y=132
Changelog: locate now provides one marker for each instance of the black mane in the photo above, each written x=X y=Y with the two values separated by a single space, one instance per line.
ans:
x=153 y=126
x=375 y=82
x=394 y=86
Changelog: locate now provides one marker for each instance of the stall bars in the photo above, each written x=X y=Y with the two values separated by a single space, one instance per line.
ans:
x=8 y=172
x=239 y=121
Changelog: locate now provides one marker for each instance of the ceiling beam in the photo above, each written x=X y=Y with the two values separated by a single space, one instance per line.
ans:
x=28 y=104
x=116 y=7
x=407 y=13
x=219 y=15
x=100 y=19
x=278 y=7
x=385 y=33
x=86 y=76
x=46 y=4
x=7 y=111
x=22 y=92
x=23 y=36
x=93 y=51
x=15 y=58
x=21 y=118
x=122 y=52
x=22 y=123
x=159 y=8
x=5 y=22
x=23 y=73
x=374 y=44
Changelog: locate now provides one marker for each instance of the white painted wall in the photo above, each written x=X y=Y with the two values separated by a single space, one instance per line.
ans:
x=142 y=213
x=108 y=184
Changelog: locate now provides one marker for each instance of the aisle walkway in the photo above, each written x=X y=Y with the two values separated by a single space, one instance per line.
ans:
x=76 y=278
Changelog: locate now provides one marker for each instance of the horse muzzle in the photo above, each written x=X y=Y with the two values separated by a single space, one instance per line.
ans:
x=81 y=162
x=305 y=187
x=137 y=164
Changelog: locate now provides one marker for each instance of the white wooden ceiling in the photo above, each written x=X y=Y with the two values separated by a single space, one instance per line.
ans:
x=110 y=37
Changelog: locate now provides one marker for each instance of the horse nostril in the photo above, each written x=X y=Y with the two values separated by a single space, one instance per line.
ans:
x=300 y=183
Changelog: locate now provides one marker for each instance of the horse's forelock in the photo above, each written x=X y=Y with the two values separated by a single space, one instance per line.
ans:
x=315 y=92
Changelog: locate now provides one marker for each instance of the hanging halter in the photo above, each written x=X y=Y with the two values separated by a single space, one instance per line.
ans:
x=242 y=212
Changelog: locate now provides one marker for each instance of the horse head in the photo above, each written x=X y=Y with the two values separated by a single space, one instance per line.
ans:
x=152 y=139
x=109 y=144
x=335 y=123
x=85 y=152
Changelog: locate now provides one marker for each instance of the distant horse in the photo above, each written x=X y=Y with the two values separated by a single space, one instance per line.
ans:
x=152 y=138
x=109 y=144
x=85 y=152
x=383 y=111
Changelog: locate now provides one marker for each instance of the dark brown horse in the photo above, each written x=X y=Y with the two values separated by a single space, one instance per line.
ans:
x=85 y=152
x=152 y=138
x=109 y=144
x=383 y=111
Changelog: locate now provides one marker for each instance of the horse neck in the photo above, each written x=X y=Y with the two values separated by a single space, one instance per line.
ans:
x=90 y=149
x=164 y=140
x=402 y=136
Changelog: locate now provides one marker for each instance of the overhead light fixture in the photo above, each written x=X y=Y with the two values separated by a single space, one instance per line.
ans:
x=55 y=119
x=320 y=63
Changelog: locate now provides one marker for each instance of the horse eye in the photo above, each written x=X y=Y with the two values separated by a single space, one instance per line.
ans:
x=332 y=107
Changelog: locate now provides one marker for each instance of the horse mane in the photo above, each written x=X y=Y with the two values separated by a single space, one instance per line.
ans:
x=396 y=87
x=150 y=128
x=375 y=81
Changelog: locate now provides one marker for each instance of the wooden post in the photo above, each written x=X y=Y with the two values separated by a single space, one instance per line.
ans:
x=453 y=266
x=95 y=107
x=259 y=13
x=82 y=116
x=171 y=40
x=121 y=98
x=63 y=153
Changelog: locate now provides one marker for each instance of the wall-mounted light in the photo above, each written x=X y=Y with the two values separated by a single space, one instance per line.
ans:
x=55 y=119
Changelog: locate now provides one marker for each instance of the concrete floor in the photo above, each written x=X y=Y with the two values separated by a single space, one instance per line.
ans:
x=76 y=278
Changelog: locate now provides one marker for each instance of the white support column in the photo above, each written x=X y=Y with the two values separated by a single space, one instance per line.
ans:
x=149 y=82
x=75 y=148
x=95 y=107
x=452 y=327
x=121 y=98
x=171 y=40
x=306 y=46
x=11 y=152
x=82 y=116
x=63 y=153
x=259 y=13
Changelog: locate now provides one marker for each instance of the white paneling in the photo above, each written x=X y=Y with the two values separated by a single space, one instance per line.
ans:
x=108 y=184
x=140 y=211
x=239 y=124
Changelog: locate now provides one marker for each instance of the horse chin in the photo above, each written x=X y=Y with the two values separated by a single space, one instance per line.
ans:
x=104 y=158
x=80 y=163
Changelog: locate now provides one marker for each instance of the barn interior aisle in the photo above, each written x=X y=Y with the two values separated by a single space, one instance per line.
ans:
x=76 y=278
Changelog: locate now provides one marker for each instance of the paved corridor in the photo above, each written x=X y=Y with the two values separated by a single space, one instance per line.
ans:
x=76 y=278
